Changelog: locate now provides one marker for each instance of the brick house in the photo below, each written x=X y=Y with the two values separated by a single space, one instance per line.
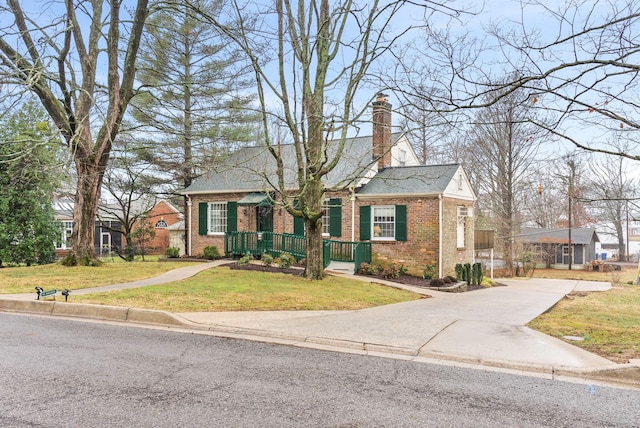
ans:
x=165 y=217
x=411 y=214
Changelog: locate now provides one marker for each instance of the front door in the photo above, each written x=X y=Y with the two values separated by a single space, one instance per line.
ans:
x=566 y=254
x=105 y=243
x=264 y=218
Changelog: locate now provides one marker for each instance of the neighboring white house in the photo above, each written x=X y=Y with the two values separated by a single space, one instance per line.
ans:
x=608 y=244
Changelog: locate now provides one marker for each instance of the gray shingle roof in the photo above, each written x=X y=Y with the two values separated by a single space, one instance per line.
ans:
x=579 y=235
x=252 y=168
x=411 y=180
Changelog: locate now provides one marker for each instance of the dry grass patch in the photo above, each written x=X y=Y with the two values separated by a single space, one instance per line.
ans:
x=624 y=276
x=223 y=289
x=609 y=321
x=25 y=279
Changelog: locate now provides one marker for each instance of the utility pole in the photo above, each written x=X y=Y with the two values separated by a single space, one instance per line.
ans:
x=572 y=172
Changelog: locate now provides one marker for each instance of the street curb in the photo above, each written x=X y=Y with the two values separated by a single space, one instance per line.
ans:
x=627 y=375
x=100 y=312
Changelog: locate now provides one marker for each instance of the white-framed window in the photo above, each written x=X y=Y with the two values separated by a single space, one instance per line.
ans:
x=402 y=157
x=217 y=217
x=326 y=218
x=463 y=213
x=161 y=224
x=65 y=242
x=383 y=222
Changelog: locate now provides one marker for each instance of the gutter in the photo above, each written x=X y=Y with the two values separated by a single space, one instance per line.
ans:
x=353 y=213
x=189 y=217
x=440 y=233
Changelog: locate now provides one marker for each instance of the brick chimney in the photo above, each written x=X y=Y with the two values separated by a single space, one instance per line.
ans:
x=382 y=131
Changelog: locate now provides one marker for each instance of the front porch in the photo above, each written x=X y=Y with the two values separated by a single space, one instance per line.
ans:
x=257 y=243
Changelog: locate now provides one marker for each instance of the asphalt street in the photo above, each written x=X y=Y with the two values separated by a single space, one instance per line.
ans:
x=57 y=372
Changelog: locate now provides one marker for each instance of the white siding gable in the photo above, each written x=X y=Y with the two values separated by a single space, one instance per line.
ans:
x=402 y=154
x=459 y=187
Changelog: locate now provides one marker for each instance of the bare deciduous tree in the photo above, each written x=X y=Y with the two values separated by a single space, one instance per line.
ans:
x=321 y=55
x=577 y=60
x=503 y=147
x=610 y=189
x=62 y=63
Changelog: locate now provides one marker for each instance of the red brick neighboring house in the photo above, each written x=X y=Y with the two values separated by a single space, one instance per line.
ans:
x=412 y=214
x=162 y=216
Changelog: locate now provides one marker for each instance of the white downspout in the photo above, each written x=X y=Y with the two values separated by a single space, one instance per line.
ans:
x=353 y=213
x=440 y=232
x=189 y=204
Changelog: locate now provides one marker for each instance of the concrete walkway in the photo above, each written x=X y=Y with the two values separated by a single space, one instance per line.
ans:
x=170 y=276
x=480 y=327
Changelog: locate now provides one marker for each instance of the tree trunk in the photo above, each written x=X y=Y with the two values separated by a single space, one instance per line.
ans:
x=314 y=196
x=85 y=209
x=622 y=250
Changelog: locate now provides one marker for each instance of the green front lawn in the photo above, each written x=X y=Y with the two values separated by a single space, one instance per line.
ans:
x=224 y=289
x=609 y=321
x=25 y=279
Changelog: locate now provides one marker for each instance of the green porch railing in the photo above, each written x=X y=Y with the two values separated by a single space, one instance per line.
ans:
x=361 y=254
x=256 y=243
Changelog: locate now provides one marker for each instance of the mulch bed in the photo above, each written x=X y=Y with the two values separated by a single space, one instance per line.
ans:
x=418 y=282
x=404 y=279
x=263 y=268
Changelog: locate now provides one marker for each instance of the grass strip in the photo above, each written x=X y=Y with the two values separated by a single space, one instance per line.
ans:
x=608 y=321
x=223 y=289
x=24 y=279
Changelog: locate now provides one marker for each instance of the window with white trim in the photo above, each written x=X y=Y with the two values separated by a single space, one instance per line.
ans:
x=462 y=217
x=67 y=229
x=326 y=218
x=217 y=217
x=161 y=224
x=383 y=222
x=402 y=158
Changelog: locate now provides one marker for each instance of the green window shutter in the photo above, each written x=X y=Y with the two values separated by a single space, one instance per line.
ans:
x=401 y=222
x=335 y=217
x=365 y=223
x=298 y=222
x=203 y=218
x=232 y=216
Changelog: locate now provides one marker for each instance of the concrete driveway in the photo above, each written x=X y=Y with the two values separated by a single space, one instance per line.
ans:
x=483 y=325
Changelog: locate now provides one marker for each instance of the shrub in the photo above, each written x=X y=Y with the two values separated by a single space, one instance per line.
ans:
x=172 y=252
x=369 y=269
x=459 y=272
x=436 y=283
x=211 y=252
x=391 y=272
x=476 y=274
x=402 y=270
x=285 y=260
x=446 y=280
x=267 y=259
x=452 y=279
x=244 y=260
x=429 y=272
